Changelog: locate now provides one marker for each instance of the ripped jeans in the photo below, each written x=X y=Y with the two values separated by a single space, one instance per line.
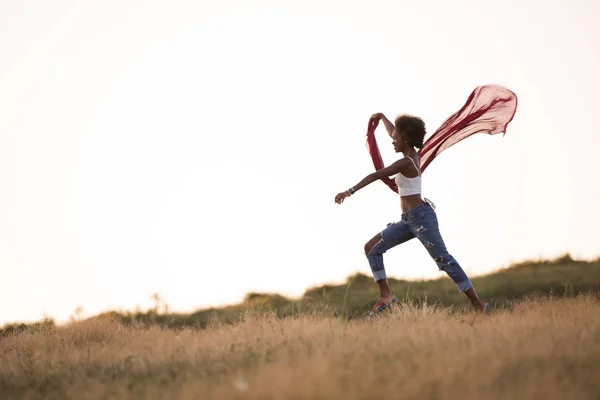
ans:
x=420 y=222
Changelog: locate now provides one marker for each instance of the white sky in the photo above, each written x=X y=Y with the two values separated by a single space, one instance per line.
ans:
x=195 y=148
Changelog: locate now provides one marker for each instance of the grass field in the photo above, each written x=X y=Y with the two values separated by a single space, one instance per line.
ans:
x=541 y=341
x=541 y=348
x=355 y=297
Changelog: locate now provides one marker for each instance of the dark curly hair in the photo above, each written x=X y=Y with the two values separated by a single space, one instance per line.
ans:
x=411 y=129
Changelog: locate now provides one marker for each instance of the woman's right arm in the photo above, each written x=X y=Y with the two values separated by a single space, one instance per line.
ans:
x=389 y=127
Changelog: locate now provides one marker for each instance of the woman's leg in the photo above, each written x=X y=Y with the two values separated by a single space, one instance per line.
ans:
x=391 y=236
x=425 y=227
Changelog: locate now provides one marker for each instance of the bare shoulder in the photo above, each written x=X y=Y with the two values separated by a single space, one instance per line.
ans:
x=413 y=164
x=397 y=166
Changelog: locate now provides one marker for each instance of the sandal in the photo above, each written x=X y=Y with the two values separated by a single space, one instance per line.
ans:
x=382 y=306
x=487 y=308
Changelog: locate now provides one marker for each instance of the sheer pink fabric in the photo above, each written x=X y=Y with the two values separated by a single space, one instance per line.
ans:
x=489 y=109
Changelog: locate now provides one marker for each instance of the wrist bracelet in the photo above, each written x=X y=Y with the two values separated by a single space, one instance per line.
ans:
x=351 y=191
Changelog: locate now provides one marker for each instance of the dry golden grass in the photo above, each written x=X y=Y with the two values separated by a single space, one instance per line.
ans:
x=542 y=349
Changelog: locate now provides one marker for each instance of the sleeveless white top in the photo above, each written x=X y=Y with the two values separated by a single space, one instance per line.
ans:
x=408 y=186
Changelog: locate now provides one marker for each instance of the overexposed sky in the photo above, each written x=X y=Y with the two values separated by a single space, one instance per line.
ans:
x=195 y=148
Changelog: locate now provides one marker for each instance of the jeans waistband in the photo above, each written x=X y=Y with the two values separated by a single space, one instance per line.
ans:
x=414 y=210
x=426 y=204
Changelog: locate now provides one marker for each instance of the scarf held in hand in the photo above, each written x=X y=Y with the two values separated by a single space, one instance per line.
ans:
x=489 y=109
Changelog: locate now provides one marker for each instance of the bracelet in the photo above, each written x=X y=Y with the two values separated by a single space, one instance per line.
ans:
x=351 y=191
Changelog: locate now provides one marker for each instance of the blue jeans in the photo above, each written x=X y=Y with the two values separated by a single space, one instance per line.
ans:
x=420 y=222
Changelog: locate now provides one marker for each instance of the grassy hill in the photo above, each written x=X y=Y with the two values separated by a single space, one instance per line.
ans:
x=354 y=298
x=542 y=348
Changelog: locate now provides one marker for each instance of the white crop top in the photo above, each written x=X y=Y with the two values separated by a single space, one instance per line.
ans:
x=408 y=186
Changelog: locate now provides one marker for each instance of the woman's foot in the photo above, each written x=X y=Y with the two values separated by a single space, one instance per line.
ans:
x=383 y=303
x=479 y=306
x=486 y=308
x=482 y=308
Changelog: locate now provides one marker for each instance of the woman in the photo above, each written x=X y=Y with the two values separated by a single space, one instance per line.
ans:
x=418 y=216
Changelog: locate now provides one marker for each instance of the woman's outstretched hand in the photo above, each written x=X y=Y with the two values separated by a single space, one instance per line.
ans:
x=339 y=198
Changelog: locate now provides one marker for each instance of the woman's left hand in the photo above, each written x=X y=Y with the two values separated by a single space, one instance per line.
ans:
x=339 y=198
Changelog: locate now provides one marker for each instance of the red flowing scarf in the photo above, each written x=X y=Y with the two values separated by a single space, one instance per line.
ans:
x=489 y=109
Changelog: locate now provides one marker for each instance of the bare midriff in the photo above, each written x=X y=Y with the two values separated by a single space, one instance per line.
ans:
x=409 y=202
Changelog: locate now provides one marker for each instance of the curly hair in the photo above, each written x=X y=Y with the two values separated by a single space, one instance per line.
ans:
x=412 y=129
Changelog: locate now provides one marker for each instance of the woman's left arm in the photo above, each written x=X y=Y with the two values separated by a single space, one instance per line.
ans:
x=390 y=170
